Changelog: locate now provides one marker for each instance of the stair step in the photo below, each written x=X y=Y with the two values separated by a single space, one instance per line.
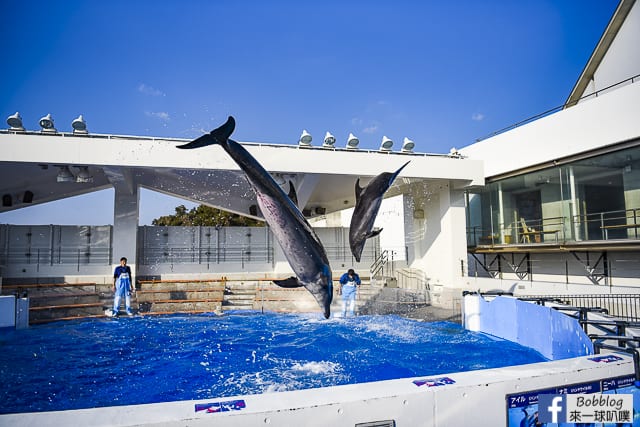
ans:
x=63 y=299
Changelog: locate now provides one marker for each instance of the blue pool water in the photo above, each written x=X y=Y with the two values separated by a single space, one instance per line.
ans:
x=124 y=361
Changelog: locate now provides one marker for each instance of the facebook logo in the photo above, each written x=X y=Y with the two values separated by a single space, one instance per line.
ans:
x=552 y=408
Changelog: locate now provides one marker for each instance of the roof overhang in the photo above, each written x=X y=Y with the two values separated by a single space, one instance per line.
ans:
x=324 y=178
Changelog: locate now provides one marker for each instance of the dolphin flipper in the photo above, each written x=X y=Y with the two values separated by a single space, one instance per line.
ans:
x=291 y=282
x=292 y=194
x=217 y=136
x=373 y=233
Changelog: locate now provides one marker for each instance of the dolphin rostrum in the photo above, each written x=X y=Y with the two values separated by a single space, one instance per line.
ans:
x=300 y=244
x=368 y=200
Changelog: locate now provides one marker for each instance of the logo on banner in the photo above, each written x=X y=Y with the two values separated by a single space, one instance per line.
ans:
x=230 y=405
x=585 y=408
x=434 y=382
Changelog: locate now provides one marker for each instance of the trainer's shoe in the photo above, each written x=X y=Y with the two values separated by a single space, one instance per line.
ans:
x=129 y=313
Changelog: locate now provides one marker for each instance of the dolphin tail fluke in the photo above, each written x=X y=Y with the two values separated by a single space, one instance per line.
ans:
x=217 y=136
x=291 y=282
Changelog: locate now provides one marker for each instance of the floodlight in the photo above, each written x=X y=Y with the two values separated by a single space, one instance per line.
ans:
x=27 y=197
x=15 y=122
x=407 y=145
x=65 y=175
x=46 y=123
x=79 y=125
x=305 y=139
x=329 y=140
x=84 y=175
x=386 y=144
x=352 y=142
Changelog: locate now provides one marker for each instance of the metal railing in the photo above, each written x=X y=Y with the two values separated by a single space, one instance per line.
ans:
x=206 y=255
x=618 y=224
x=57 y=256
x=558 y=108
x=411 y=278
x=622 y=306
x=379 y=268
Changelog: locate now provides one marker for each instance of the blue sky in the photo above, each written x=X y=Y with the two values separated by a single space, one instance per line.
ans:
x=441 y=73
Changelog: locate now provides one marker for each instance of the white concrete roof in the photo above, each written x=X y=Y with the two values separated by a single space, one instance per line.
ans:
x=323 y=177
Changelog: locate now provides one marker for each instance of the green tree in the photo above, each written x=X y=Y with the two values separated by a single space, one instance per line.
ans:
x=205 y=216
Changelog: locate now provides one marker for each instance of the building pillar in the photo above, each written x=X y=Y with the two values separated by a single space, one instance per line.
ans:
x=439 y=246
x=125 y=219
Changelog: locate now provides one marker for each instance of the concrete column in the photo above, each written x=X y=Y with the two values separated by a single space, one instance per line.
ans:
x=442 y=247
x=574 y=210
x=125 y=219
x=413 y=225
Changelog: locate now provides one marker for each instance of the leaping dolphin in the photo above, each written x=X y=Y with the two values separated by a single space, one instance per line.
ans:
x=368 y=200
x=300 y=244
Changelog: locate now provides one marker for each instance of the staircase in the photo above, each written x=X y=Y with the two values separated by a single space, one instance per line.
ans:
x=66 y=301
x=63 y=301
x=180 y=296
x=239 y=295
x=367 y=291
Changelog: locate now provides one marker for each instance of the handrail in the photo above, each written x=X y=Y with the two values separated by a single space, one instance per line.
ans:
x=555 y=109
x=378 y=263
x=510 y=233
x=412 y=274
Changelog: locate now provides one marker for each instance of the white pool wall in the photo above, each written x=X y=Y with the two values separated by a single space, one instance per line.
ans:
x=475 y=398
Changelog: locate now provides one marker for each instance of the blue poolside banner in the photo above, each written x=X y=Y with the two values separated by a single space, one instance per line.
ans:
x=585 y=408
x=611 y=402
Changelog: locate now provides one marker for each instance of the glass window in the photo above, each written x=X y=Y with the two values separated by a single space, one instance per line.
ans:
x=592 y=199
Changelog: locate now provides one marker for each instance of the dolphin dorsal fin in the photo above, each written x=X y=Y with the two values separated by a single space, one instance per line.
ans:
x=292 y=194
x=291 y=282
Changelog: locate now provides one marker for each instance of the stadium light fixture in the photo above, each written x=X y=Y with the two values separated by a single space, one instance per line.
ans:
x=305 y=139
x=65 y=175
x=407 y=145
x=386 y=144
x=79 y=126
x=84 y=175
x=329 y=140
x=352 y=142
x=15 y=122
x=46 y=123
